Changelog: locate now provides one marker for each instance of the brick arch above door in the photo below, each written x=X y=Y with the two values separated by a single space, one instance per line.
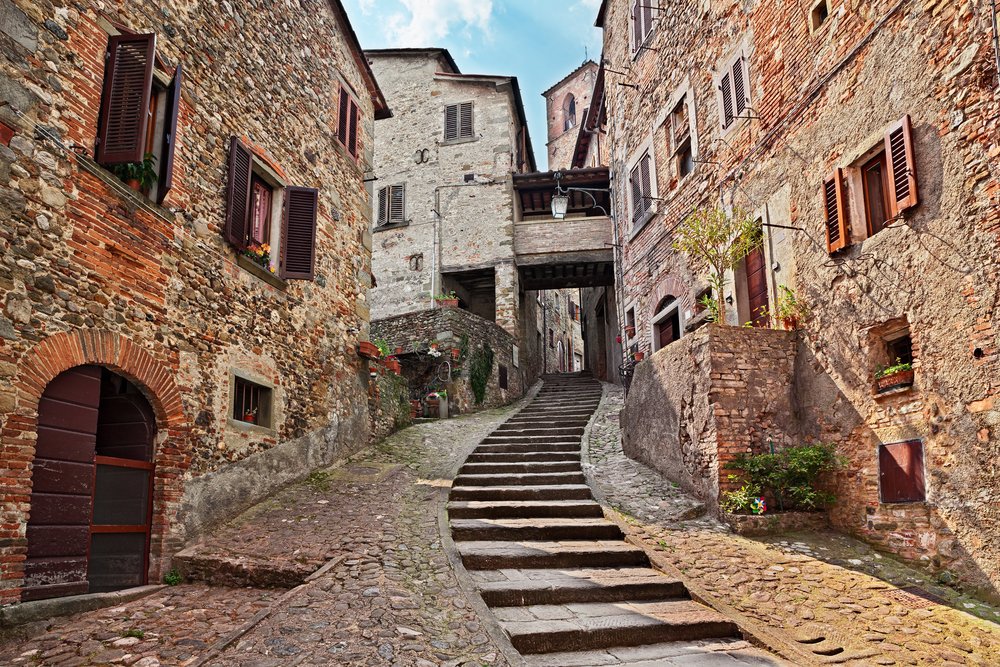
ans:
x=669 y=286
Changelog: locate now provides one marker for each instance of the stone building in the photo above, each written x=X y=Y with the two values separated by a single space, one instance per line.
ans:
x=184 y=276
x=445 y=209
x=863 y=138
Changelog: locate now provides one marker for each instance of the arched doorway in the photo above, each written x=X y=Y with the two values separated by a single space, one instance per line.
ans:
x=92 y=483
x=666 y=323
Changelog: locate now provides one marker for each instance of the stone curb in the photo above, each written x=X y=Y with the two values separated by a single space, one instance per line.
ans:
x=753 y=631
x=465 y=582
x=29 y=612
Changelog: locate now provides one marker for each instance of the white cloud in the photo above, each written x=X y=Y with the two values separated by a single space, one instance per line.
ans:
x=427 y=22
x=366 y=6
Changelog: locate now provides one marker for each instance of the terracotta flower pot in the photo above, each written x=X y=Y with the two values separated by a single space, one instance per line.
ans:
x=455 y=353
x=894 y=381
x=368 y=350
x=134 y=183
x=399 y=350
x=448 y=303
x=250 y=418
x=790 y=323
x=639 y=356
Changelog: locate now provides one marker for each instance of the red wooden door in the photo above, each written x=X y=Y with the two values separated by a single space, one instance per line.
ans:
x=667 y=334
x=757 y=287
x=62 y=485
x=901 y=471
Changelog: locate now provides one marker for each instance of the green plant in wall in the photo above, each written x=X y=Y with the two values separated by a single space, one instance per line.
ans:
x=898 y=367
x=383 y=347
x=719 y=239
x=480 y=369
x=138 y=175
x=740 y=500
x=790 y=476
x=788 y=310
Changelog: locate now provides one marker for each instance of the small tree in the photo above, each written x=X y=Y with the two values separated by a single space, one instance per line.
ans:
x=721 y=240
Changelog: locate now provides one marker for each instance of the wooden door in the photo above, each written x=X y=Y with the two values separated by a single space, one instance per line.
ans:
x=667 y=332
x=62 y=485
x=757 y=287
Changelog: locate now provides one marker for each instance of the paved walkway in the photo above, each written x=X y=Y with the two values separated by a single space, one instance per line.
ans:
x=829 y=593
x=390 y=597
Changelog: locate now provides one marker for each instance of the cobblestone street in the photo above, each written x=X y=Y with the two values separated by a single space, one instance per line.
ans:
x=825 y=591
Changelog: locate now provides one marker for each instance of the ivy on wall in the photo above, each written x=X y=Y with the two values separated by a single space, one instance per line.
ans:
x=480 y=369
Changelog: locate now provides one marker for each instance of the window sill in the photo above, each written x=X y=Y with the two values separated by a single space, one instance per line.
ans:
x=132 y=196
x=639 y=226
x=260 y=272
x=895 y=391
x=390 y=226
x=453 y=142
x=250 y=428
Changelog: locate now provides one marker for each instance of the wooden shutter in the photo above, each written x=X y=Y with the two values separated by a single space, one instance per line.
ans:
x=298 y=233
x=352 y=132
x=238 y=194
x=645 y=176
x=901 y=472
x=835 y=212
x=451 y=122
x=342 y=116
x=902 y=168
x=466 y=128
x=726 y=100
x=165 y=179
x=128 y=85
x=383 y=206
x=636 y=188
x=740 y=101
x=397 y=203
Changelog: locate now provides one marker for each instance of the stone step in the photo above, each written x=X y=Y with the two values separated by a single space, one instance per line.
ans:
x=523 y=509
x=519 y=588
x=553 y=404
x=566 y=396
x=550 y=555
x=519 y=430
x=538 y=492
x=522 y=457
x=560 y=422
x=521 y=479
x=597 y=625
x=724 y=652
x=519 y=447
x=536 y=529
x=493 y=468
x=528 y=439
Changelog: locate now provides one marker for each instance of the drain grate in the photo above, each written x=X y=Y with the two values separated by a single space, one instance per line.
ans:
x=914 y=597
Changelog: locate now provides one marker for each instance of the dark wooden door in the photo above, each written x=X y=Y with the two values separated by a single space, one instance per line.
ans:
x=667 y=332
x=901 y=471
x=62 y=485
x=757 y=287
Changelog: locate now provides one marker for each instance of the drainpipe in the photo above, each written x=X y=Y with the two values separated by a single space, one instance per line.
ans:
x=996 y=36
x=545 y=336
x=434 y=246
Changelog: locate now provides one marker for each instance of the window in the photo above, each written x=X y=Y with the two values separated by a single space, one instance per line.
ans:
x=502 y=376
x=137 y=121
x=458 y=123
x=901 y=472
x=251 y=402
x=666 y=323
x=642 y=22
x=641 y=188
x=255 y=196
x=733 y=91
x=819 y=14
x=391 y=205
x=417 y=262
x=680 y=139
x=348 y=121
x=899 y=348
x=569 y=112
x=630 y=323
x=883 y=186
x=552 y=339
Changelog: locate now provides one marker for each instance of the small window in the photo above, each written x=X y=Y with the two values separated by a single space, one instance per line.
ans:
x=901 y=472
x=458 y=122
x=502 y=376
x=680 y=140
x=630 y=323
x=417 y=262
x=391 y=205
x=819 y=14
x=261 y=196
x=348 y=121
x=874 y=186
x=569 y=112
x=641 y=188
x=552 y=338
x=734 y=92
x=251 y=402
x=642 y=22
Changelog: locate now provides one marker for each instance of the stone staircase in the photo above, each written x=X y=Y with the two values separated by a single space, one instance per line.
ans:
x=559 y=577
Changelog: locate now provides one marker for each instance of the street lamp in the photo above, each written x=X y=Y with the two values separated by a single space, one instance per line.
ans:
x=560 y=204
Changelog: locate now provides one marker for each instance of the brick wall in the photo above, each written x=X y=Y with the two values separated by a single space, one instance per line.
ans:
x=93 y=272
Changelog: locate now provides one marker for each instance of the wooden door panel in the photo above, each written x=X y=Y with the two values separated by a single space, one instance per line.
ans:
x=757 y=287
x=49 y=509
x=55 y=443
x=49 y=541
x=44 y=592
x=67 y=477
x=66 y=415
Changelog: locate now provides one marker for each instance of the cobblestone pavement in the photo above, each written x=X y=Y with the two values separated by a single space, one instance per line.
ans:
x=809 y=585
x=391 y=598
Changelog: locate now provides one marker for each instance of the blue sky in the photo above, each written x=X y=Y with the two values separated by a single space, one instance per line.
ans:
x=538 y=41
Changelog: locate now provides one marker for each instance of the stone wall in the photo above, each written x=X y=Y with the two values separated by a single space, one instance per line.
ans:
x=562 y=141
x=703 y=400
x=452 y=328
x=822 y=98
x=388 y=404
x=93 y=272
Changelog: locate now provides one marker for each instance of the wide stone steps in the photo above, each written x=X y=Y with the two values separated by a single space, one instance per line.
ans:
x=488 y=468
x=549 y=628
x=724 y=652
x=548 y=587
x=521 y=479
x=503 y=554
x=553 y=529
x=518 y=429
x=505 y=439
x=524 y=509
x=537 y=492
x=526 y=457
x=512 y=447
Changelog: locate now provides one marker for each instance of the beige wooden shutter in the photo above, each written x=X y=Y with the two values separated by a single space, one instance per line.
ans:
x=902 y=167
x=837 y=233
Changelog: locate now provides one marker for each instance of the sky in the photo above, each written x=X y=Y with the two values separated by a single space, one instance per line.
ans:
x=538 y=41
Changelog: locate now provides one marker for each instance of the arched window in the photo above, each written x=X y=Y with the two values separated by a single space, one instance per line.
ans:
x=569 y=111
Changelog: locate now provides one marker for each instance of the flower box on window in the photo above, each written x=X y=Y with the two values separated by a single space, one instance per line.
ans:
x=896 y=380
x=368 y=350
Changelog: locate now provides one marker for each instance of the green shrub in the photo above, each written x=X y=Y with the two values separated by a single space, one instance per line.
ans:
x=790 y=477
x=134 y=632
x=172 y=578
x=480 y=369
x=739 y=501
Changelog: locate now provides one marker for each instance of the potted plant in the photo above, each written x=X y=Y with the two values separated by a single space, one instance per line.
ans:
x=639 y=355
x=368 y=349
x=392 y=363
x=788 y=310
x=896 y=376
x=250 y=416
x=399 y=350
x=259 y=254
x=383 y=347
x=455 y=353
x=139 y=176
x=447 y=300
x=629 y=331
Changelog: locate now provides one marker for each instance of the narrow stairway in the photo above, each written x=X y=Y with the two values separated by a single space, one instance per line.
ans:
x=557 y=575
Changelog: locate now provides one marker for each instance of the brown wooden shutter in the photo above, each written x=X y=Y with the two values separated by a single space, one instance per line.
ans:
x=901 y=472
x=342 y=116
x=397 y=203
x=740 y=101
x=466 y=128
x=836 y=215
x=128 y=85
x=725 y=87
x=451 y=122
x=902 y=167
x=238 y=194
x=298 y=240
x=646 y=175
x=383 y=206
x=352 y=133
x=165 y=178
